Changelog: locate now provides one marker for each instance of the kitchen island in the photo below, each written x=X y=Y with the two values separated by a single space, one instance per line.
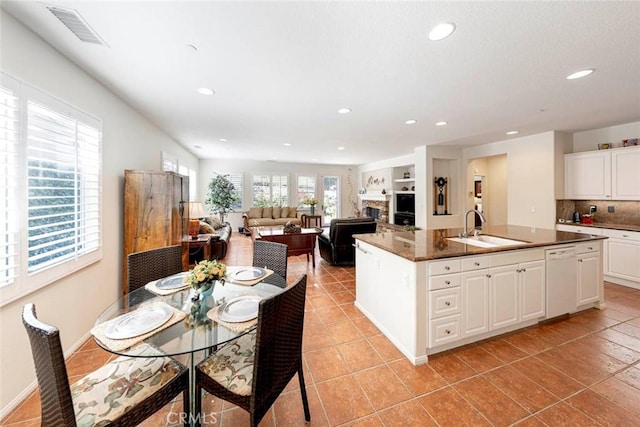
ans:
x=428 y=293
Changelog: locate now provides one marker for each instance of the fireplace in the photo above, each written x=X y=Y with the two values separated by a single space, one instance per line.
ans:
x=372 y=212
x=378 y=209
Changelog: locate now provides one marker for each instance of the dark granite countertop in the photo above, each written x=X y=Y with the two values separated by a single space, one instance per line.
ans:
x=425 y=245
x=625 y=227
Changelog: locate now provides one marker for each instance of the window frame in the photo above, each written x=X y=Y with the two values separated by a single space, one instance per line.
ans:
x=300 y=196
x=269 y=201
x=25 y=282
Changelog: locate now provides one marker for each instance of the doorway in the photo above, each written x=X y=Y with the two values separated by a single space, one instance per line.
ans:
x=330 y=198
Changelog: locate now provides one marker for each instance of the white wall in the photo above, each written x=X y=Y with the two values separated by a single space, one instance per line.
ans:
x=129 y=142
x=589 y=140
x=208 y=168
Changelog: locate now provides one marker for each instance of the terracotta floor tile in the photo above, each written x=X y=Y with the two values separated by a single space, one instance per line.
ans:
x=418 y=379
x=343 y=400
x=27 y=411
x=382 y=387
x=594 y=343
x=528 y=343
x=492 y=403
x=385 y=349
x=316 y=338
x=326 y=363
x=635 y=322
x=237 y=417
x=351 y=311
x=631 y=376
x=478 y=358
x=342 y=332
x=503 y=350
x=620 y=316
x=165 y=416
x=548 y=335
x=366 y=327
x=628 y=328
x=359 y=355
x=602 y=409
x=409 y=413
x=548 y=377
x=528 y=394
x=289 y=410
x=580 y=370
x=333 y=287
x=565 y=415
x=621 y=338
x=594 y=320
x=450 y=367
x=371 y=421
x=620 y=392
x=449 y=408
x=345 y=297
x=331 y=315
x=321 y=301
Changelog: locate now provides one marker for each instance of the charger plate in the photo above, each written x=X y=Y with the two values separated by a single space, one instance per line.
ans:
x=247 y=274
x=240 y=309
x=138 y=322
x=172 y=282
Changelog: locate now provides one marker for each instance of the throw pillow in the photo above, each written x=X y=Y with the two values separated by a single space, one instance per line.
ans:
x=277 y=212
x=255 y=213
x=267 y=212
x=284 y=212
x=293 y=212
x=206 y=228
x=214 y=221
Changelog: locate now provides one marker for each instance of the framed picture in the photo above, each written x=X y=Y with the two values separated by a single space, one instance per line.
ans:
x=629 y=142
x=477 y=188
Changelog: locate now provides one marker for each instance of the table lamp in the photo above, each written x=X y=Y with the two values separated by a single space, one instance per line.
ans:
x=196 y=211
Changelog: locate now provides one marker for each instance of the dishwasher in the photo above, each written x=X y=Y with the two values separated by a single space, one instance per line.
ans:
x=562 y=281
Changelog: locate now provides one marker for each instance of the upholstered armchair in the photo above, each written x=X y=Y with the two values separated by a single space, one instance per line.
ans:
x=336 y=243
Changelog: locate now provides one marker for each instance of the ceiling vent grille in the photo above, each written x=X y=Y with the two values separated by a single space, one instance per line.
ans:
x=77 y=25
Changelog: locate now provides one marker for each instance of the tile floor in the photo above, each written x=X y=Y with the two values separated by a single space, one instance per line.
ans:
x=582 y=371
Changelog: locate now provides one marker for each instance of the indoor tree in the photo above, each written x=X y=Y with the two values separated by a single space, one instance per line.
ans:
x=222 y=195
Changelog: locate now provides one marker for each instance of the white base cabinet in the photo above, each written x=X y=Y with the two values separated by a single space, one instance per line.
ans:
x=622 y=255
x=589 y=276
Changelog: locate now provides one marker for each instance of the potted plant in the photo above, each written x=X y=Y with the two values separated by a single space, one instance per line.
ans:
x=221 y=195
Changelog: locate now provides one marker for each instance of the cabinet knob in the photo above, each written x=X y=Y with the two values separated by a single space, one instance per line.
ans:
x=447 y=303
x=590 y=248
x=446 y=267
x=447 y=331
x=523 y=270
x=477 y=264
x=579 y=260
x=489 y=276
x=518 y=270
x=447 y=282
x=625 y=235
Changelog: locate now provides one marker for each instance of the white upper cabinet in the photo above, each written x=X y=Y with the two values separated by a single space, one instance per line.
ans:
x=588 y=175
x=603 y=175
x=625 y=171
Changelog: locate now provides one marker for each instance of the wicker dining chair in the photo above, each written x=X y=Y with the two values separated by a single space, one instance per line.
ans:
x=124 y=392
x=252 y=370
x=271 y=255
x=153 y=264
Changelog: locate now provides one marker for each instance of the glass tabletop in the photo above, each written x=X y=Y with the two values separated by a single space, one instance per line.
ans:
x=196 y=331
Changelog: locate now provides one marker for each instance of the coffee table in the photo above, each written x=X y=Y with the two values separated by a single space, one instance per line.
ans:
x=300 y=243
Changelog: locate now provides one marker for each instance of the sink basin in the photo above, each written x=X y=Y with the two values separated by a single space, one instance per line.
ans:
x=485 y=241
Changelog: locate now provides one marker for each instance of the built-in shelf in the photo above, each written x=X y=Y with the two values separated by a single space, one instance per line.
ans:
x=404 y=192
x=404 y=180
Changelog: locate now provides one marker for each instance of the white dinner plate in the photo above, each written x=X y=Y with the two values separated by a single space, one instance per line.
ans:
x=172 y=282
x=249 y=273
x=240 y=309
x=138 y=322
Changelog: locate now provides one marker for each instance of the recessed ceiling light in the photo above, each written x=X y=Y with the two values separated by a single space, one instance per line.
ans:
x=340 y=148
x=223 y=140
x=411 y=122
x=580 y=74
x=442 y=123
x=205 y=91
x=512 y=132
x=344 y=110
x=286 y=144
x=441 y=31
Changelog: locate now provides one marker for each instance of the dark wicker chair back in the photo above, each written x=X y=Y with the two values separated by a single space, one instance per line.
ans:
x=51 y=371
x=278 y=355
x=57 y=408
x=271 y=255
x=154 y=264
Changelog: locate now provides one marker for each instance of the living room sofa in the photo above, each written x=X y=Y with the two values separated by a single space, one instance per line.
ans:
x=270 y=216
x=222 y=232
x=336 y=243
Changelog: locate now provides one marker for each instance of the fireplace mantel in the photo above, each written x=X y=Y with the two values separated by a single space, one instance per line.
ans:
x=379 y=197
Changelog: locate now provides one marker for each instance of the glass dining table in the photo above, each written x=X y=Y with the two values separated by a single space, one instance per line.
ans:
x=196 y=334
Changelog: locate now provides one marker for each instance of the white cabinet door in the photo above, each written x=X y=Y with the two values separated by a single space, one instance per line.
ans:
x=588 y=175
x=475 y=302
x=625 y=170
x=588 y=277
x=532 y=290
x=622 y=258
x=503 y=283
x=367 y=265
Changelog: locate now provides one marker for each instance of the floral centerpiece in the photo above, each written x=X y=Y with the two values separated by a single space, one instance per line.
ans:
x=203 y=276
x=311 y=201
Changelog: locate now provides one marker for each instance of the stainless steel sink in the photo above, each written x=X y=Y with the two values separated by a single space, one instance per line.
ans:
x=486 y=241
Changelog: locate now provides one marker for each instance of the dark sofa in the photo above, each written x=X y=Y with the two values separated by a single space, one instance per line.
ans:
x=336 y=243
x=222 y=234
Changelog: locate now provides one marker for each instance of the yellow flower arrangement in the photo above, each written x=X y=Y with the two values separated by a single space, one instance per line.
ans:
x=310 y=201
x=201 y=277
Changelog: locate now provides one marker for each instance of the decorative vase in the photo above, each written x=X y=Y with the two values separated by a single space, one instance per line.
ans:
x=313 y=209
x=208 y=291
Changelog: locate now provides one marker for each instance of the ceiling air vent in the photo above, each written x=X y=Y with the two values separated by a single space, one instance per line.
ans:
x=76 y=23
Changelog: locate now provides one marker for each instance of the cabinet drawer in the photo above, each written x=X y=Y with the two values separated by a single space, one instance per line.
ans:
x=444 y=330
x=444 y=302
x=444 y=281
x=475 y=263
x=584 y=248
x=579 y=229
x=444 y=267
x=622 y=234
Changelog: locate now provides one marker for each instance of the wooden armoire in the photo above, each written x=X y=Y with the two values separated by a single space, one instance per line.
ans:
x=155 y=213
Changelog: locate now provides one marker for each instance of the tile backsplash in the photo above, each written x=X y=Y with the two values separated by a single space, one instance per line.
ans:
x=625 y=212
